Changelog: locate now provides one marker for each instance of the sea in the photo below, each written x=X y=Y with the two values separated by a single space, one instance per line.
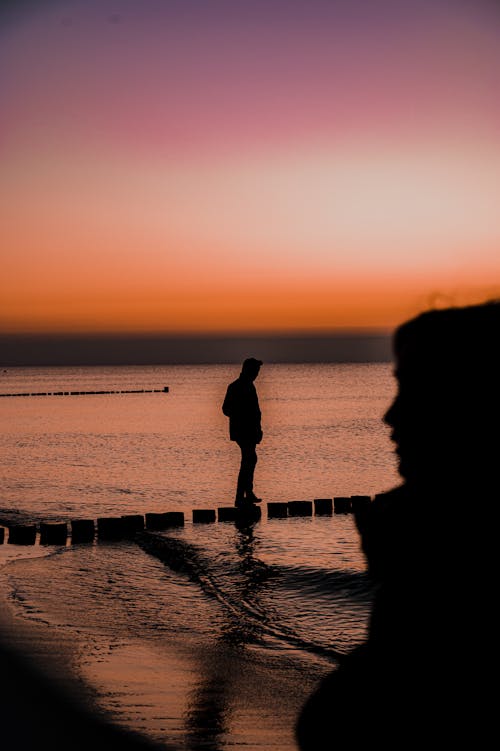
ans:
x=216 y=642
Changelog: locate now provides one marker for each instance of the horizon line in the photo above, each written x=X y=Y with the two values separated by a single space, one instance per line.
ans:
x=193 y=333
x=168 y=349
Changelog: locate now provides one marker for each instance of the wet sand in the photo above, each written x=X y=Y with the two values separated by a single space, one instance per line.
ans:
x=214 y=697
x=189 y=691
x=43 y=703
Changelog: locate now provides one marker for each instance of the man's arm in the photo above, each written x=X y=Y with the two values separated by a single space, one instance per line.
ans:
x=227 y=405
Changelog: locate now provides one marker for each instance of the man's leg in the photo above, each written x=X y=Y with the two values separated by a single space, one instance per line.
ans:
x=247 y=467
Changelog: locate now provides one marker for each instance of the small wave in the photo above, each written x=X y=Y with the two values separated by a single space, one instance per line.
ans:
x=252 y=621
x=356 y=585
x=15 y=516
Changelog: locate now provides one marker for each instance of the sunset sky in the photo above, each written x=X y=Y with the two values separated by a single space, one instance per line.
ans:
x=246 y=166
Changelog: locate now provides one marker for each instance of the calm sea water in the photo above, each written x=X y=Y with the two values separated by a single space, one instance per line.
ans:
x=219 y=647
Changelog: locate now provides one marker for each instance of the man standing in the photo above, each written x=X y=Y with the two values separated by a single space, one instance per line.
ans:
x=241 y=405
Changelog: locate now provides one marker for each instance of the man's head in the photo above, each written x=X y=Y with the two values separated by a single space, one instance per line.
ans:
x=250 y=368
x=446 y=414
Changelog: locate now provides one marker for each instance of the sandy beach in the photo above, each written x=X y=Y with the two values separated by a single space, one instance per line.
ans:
x=211 y=696
x=43 y=701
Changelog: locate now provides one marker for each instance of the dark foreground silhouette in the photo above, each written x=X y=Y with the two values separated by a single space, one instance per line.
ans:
x=423 y=677
x=37 y=711
x=241 y=405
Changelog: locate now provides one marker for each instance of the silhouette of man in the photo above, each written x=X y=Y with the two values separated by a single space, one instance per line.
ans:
x=241 y=405
x=422 y=678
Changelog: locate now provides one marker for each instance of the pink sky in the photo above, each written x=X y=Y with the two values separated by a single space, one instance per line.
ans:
x=193 y=166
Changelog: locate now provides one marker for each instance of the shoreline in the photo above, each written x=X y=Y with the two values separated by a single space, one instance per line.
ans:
x=44 y=702
x=196 y=692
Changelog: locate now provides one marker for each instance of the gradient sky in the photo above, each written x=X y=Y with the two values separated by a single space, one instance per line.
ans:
x=263 y=165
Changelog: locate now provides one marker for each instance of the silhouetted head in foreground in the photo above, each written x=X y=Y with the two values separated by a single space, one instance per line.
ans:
x=446 y=415
x=250 y=368
x=421 y=678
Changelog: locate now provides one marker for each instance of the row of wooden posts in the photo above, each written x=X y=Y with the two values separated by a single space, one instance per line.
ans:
x=164 y=390
x=126 y=526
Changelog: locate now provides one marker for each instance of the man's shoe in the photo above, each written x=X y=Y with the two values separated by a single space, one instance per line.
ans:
x=241 y=502
x=252 y=498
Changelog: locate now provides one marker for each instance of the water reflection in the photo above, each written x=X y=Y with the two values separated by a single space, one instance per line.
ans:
x=221 y=670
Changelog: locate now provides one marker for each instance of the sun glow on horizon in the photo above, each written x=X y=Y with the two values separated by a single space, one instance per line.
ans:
x=338 y=180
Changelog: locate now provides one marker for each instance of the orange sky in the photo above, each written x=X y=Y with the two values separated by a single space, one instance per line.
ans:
x=212 y=172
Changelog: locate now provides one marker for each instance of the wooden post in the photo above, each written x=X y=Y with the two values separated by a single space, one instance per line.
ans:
x=249 y=514
x=82 y=530
x=132 y=523
x=162 y=520
x=227 y=513
x=323 y=506
x=155 y=520
x=300 y=508
x=53 y=533
x=22 y=534
x=277 y=510
x=342 y=504
x=110 y=528
x=203 y=515
x=174 y=518
x=360 y=503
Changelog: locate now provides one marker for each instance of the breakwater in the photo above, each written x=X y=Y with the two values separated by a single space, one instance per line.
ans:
x=164 y=390
x=127 y=526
